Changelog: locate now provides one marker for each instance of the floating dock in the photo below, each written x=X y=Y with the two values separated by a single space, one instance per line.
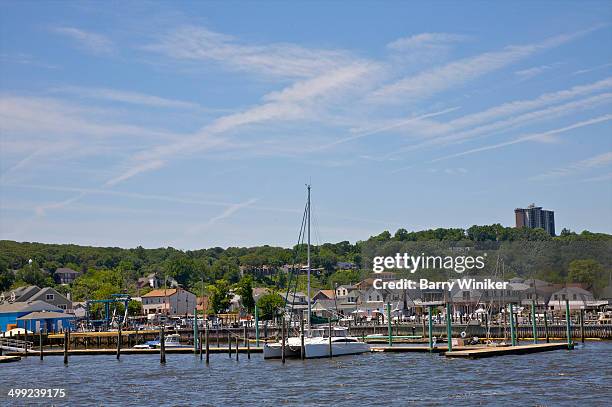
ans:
x=418 y=349
x=506 y=350
x=9 y=359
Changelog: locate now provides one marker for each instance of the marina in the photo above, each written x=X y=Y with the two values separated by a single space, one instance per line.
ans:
x=563 y=378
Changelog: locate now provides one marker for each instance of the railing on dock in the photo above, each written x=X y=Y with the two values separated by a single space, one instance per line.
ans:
x=15 y=345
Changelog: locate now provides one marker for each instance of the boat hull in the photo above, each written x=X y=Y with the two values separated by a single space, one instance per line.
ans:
x=315 y=350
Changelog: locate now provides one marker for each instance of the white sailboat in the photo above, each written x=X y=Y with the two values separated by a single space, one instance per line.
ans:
x=316 y=340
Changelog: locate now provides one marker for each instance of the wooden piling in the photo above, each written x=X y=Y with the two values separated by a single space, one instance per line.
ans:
x=200 y=346
x=568 y=323
x=245 y=334
x=229 y=344
x=330 y=336
x=217 y=335
x=582 y=325
x=449 y=328
x=283 y=341
x=546 y=327
x=237 y=347
x=207 y=340
x=119 y=343
x=66 y=347
x=40 y=343
x=534 y=328
x=248 y=349
x=430 y=326
x=302 y=348
x=162 y=346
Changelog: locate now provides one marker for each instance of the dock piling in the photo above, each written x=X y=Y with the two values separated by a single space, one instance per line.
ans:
x=229 y=344
x=330 y=338
x=162 y=346
x=389 y=327
x=283 y=340
x=430 y=326
x=40 y=343
x=248 y=346
x=449 y=327
x=256 y=326
x=119 y=342
x=512 y=332
x=207 y=351
x=546 y=327
x=568 y=323
x=534 y=328
x=582 y=325
x=195 y=331
x=200 y=345
x=237 y=347
x=302 y=348
x=66 y=347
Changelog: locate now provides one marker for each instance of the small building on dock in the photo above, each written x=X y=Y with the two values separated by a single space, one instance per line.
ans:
x=10 y=313
x=45 y=321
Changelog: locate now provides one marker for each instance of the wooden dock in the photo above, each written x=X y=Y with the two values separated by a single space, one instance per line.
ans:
x=131 y=351
x=418 y=349
x=9 y=359
x=506 y=350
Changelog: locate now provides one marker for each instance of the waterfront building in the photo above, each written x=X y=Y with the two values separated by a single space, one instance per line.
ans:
x=578 y=298
x=535 y=217
x=169 y=301
x=10 y=314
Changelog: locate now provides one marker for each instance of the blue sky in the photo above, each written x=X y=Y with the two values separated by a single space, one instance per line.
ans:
x=198 y=124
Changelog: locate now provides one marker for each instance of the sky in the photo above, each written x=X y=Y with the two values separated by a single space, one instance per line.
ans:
x=198 y=124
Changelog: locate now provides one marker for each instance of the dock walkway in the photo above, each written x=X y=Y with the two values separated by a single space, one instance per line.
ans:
x=506 y=350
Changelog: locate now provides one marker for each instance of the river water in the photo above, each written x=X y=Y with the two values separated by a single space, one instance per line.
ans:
x=558 y=378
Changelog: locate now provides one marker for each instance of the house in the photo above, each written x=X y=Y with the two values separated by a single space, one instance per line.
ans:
x=324 y=295
x=149 y=280
x=168 y=301
x=343 y=290
x=11 y=312
x=34 y=293
x=577 y=297
x=64 y=275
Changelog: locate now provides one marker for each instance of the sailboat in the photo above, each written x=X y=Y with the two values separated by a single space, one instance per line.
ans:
x=316 y=340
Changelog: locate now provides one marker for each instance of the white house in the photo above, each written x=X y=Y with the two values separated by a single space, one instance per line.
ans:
x=169 y=301
x=578 y=299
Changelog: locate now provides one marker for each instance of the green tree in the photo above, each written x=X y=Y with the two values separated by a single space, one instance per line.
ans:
x=7 y=278
x=587 y=271
x=219 y=296
x=269 y=305
x=244 y=289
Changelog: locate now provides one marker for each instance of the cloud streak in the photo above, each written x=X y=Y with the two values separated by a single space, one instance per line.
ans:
x=464 y=70
x=92 y=42
x=543 y=136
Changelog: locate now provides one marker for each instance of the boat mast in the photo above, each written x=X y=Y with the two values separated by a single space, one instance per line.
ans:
x=308 y=251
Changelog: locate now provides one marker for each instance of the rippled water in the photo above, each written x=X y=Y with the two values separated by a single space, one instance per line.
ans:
x=559 y=378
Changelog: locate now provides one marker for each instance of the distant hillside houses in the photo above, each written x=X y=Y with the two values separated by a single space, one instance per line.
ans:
x=363 y=300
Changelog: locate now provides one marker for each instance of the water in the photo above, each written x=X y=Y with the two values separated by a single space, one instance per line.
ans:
x=559 y=378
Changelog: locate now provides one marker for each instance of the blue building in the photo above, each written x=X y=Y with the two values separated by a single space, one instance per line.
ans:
x=45 y=321
x=11 y=314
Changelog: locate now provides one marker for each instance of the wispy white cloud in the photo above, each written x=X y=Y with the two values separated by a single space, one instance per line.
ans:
x=529 y=73
x=227 y=213
x=592 y=69
x=600 y=160
x=506 y=116
x=426 y=40
x=134 y=98
x=93 y=42
x=132 y=171
x=276 y=59
x=543 y=136
x=41 y=209
x=464 y=70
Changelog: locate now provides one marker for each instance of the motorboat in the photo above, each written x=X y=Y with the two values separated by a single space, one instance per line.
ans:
x=170 y=341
